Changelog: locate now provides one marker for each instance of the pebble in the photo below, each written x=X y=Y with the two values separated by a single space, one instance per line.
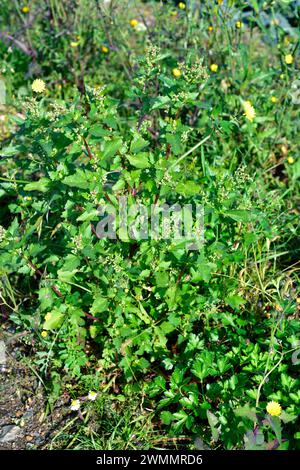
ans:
x=10 y=433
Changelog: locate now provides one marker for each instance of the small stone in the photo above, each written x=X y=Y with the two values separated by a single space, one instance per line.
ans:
x=29 y=438
x=19 y=414
x=10 y=433
x=28 y=414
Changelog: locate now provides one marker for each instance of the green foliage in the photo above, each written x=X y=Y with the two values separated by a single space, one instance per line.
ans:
x=208 y=334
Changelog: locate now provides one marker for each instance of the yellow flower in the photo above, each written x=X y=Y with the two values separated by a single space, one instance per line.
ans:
x=298 y=300
x=214 y=67
x=104 y=49
x=74 y=43
x=220 y=2
x=291 y=160
x=273 y=408
x=134 y=23
x=249 y=110
x=176 y=72
x=274 y=99
x=181 y=5
x=238 y=24
x=25 y=9
x=38 y=85
x=289 y=59
x=44 y=334
x=210 y=29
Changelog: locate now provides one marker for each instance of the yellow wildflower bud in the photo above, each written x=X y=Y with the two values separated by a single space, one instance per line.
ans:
x=134 y=23
x=176 y=73
x=214 y=67
x=289 y=59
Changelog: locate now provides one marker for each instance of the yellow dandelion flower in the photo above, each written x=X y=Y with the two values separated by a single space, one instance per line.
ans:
x=291 y=160
x=181 y=5
x=44 y=334
x=38 y=85
x=214 y=67
x=25 y=9
x=210 y=29
x=238 y=24
x=274 y=99
x=289 y=59
x=74 y=44
x=133 y=23
x=176 y=73
x=104 y=49
x=273 y=408
x=249 y=110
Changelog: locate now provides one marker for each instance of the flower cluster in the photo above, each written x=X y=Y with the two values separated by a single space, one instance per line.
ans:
x=75 y=404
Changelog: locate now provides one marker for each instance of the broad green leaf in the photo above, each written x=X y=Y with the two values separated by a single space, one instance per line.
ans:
x=139 y=161
x=111 y=147
x=42 y=185
x=213 y=421
x=161 y=102
x=240 y=215
x=138 y=144
x=79 y=179
x=54 y=319
x=246 y=411
x=100 y=305
x=235 y=301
